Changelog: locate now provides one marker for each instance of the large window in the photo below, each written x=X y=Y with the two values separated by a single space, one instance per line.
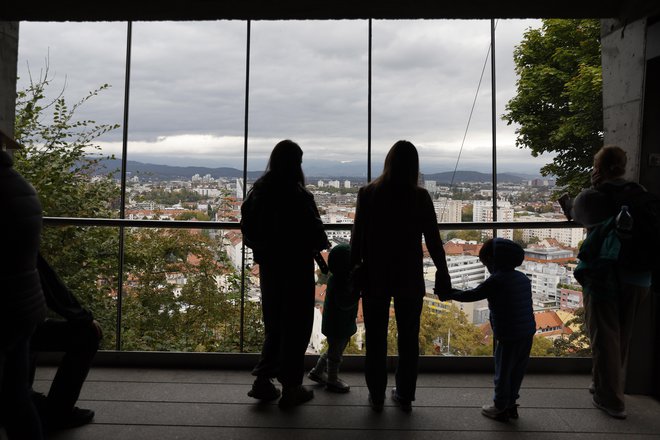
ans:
x=146 y=188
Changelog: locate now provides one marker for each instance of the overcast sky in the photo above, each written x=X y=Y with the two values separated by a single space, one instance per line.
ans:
x=308 y=82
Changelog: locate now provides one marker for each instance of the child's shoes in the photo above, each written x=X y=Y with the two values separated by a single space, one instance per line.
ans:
x=336 y=385
x=495 y=413
x=318 y=376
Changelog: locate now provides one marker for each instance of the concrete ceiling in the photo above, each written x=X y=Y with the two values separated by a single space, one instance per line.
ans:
x=138 y=10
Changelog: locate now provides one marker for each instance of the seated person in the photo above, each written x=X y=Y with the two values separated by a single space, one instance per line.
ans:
x=77 y=335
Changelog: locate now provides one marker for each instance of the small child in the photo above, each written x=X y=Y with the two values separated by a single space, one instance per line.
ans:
x=339 y=312
x=509 y=297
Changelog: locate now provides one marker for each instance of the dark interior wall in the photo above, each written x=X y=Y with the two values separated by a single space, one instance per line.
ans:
x=650 y=166
x=8 y=60
x=304 y=9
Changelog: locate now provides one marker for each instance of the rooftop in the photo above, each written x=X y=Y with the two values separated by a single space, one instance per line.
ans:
x=200 y=404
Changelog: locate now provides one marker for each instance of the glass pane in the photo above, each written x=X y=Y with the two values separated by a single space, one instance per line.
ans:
x=187 y=120
x=516 y=166
x=308 y=83
x=425 y=78
x=86 y=260
x=69 y=111
x=182 y=292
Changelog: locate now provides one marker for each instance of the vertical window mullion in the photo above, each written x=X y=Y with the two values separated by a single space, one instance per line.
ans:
x=369 y=106
x=122 y=200
x=245 y=153
x=493 y=118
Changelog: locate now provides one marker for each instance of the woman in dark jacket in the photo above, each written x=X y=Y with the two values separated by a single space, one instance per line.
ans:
x=392 y=215
x=286 y=233
x=22 y=304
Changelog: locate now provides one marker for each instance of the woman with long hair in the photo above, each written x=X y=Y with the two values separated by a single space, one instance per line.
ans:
x=392 y=215
x=285 y=233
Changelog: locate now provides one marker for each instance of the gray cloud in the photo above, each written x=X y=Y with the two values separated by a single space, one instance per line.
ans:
x=308 y=82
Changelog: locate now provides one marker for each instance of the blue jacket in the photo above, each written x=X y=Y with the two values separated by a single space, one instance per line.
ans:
x=508 y=291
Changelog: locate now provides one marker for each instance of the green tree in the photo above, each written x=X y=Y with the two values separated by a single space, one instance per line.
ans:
x=558 y=105
x=465 y=234
x=577 y=343
x=180 y=291
x=57 y=161
x=189 y=215
x=542 y=347
x=466 y=213
x=447 y=333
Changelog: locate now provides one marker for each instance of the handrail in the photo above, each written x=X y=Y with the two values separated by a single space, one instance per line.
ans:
x=184 y=224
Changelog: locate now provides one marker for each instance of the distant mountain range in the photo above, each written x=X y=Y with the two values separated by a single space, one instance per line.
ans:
x=147 y=171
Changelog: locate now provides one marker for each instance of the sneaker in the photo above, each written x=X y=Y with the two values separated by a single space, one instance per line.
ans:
x=610 y=412
x=513 y=411
x=264 y=389
x=376 y=404
x=337 y=385
x=295 y=396
x=592 y=388
x=495 y=413
x=77 y=417
x=404 y=404
x=318 y=377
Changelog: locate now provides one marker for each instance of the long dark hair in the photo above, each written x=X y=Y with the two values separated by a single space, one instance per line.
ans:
x=401 y=166
x=285 y=164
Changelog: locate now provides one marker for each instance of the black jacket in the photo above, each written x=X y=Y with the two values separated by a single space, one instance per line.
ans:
x=21 y=299
x=58 y=296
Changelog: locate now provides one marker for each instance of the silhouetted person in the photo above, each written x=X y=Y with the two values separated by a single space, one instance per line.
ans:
x=281 y=223
x=509 y=294
x=22 y=304
x=78 y=336
x=611 y=296
x=339 y=312
x=392 y=215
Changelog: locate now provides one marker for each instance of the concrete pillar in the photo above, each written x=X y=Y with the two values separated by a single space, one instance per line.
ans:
x=630 y=107
x=623 y=60
x=8 y=63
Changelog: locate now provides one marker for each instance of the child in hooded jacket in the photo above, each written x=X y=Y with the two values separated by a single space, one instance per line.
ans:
x=339 y=312
x=509 y=295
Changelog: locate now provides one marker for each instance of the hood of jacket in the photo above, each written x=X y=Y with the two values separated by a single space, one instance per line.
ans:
x=507 y=255
x=339 y=260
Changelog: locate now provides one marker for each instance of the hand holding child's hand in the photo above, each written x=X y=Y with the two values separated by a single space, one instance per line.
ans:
x=443 y=295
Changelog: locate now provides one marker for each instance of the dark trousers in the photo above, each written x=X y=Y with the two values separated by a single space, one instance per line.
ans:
x=287 y=300
x=79 y=342
x=511 y=358
x=18 y=414
x=407 y=311
x=336 y=347
x=610 y=325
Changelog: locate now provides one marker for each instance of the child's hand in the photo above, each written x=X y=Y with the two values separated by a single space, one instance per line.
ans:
x=443 y=295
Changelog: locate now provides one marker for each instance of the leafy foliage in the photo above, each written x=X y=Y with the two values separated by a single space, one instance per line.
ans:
x=56 y=161
x=577 y=343
x=447 y=333
x=180 y=290
x=559 y=97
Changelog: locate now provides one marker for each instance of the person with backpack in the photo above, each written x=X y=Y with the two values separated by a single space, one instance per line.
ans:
x=281 y=224
x=616 y=262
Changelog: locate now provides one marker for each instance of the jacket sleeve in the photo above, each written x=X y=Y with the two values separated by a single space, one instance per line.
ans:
x=482 y=291
x=357 y=233
x=59 y=298
x=320 y=237
x=434 y=243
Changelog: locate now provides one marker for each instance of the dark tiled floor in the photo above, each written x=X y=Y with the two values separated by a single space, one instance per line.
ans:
x=206 y=404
